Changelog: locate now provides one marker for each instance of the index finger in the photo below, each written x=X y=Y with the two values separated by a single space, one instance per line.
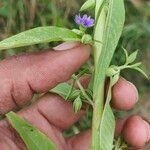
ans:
x=22 y=76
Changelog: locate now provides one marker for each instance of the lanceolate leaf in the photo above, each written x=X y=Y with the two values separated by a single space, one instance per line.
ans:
x=141 y=71
x=126 y=54
x=88 y=5
x=32 y=137
x=107 y=127
x=62 y=89
x=112 y=32
x=39 y=35
x=132 y=57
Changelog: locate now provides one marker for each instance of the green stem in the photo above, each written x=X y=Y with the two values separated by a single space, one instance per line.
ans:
x=127 y=66
x=97 y=115
x=98 y=94
x=84 y=93
x=69 y=93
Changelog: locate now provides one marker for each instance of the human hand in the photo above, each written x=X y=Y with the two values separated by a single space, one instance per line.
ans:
x=22 y=76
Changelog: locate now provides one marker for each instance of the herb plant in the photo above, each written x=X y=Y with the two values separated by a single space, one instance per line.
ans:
x=108 y=25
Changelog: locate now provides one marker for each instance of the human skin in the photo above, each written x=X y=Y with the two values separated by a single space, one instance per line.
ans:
x=22 y=76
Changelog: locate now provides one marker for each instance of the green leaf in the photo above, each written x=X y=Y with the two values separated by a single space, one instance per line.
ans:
x=66 y=91
x=77 y=31
x=141 y=71
x=77 y=104
x=89 y=4
x=39 y=35
x=87 y=39
x=113 y=30
x=137 y=64
x=62 y=89
x=71 y=90
x=132 y=57
x=103 y=121
x=126 y=53
x=107 y=127
x=32 y=137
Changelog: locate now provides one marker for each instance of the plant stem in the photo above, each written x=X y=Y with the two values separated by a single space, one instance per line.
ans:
x=84 y=93
x=97 y=114
x=98 y=94
x=127 y=67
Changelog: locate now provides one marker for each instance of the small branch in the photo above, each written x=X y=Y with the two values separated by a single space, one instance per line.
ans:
x=84 y=93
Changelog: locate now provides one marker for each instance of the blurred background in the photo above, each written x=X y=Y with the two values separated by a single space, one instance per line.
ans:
x=20 y=15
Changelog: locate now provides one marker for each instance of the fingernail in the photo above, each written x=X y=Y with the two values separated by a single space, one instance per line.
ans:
x=66 y=46
x=147 y=125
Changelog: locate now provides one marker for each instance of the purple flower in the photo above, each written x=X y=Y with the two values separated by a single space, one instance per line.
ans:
x=84 y=20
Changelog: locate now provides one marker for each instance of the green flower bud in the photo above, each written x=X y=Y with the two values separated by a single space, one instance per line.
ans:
x=111 y=71
x=87 y=39
x=74 y=94
x=77 y=104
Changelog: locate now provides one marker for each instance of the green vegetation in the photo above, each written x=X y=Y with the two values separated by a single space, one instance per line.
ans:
x=22 y=15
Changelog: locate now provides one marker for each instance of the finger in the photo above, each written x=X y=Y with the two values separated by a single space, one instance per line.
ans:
x=124 y=95
x=119 y=127
x=80 y=141
x=53 y=109
x=56 y=110
x=51 y=115
x=136 y=131
x=7 y=144
x=21 y=76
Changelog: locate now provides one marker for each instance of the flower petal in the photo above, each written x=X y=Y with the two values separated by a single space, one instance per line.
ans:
x=85 y=17
x=78 y=19
x=84 y=20
x=88 y=23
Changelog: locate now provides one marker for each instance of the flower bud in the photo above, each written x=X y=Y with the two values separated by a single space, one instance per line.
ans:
x=111 y=71
x=86 y=39
x=77 y=104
